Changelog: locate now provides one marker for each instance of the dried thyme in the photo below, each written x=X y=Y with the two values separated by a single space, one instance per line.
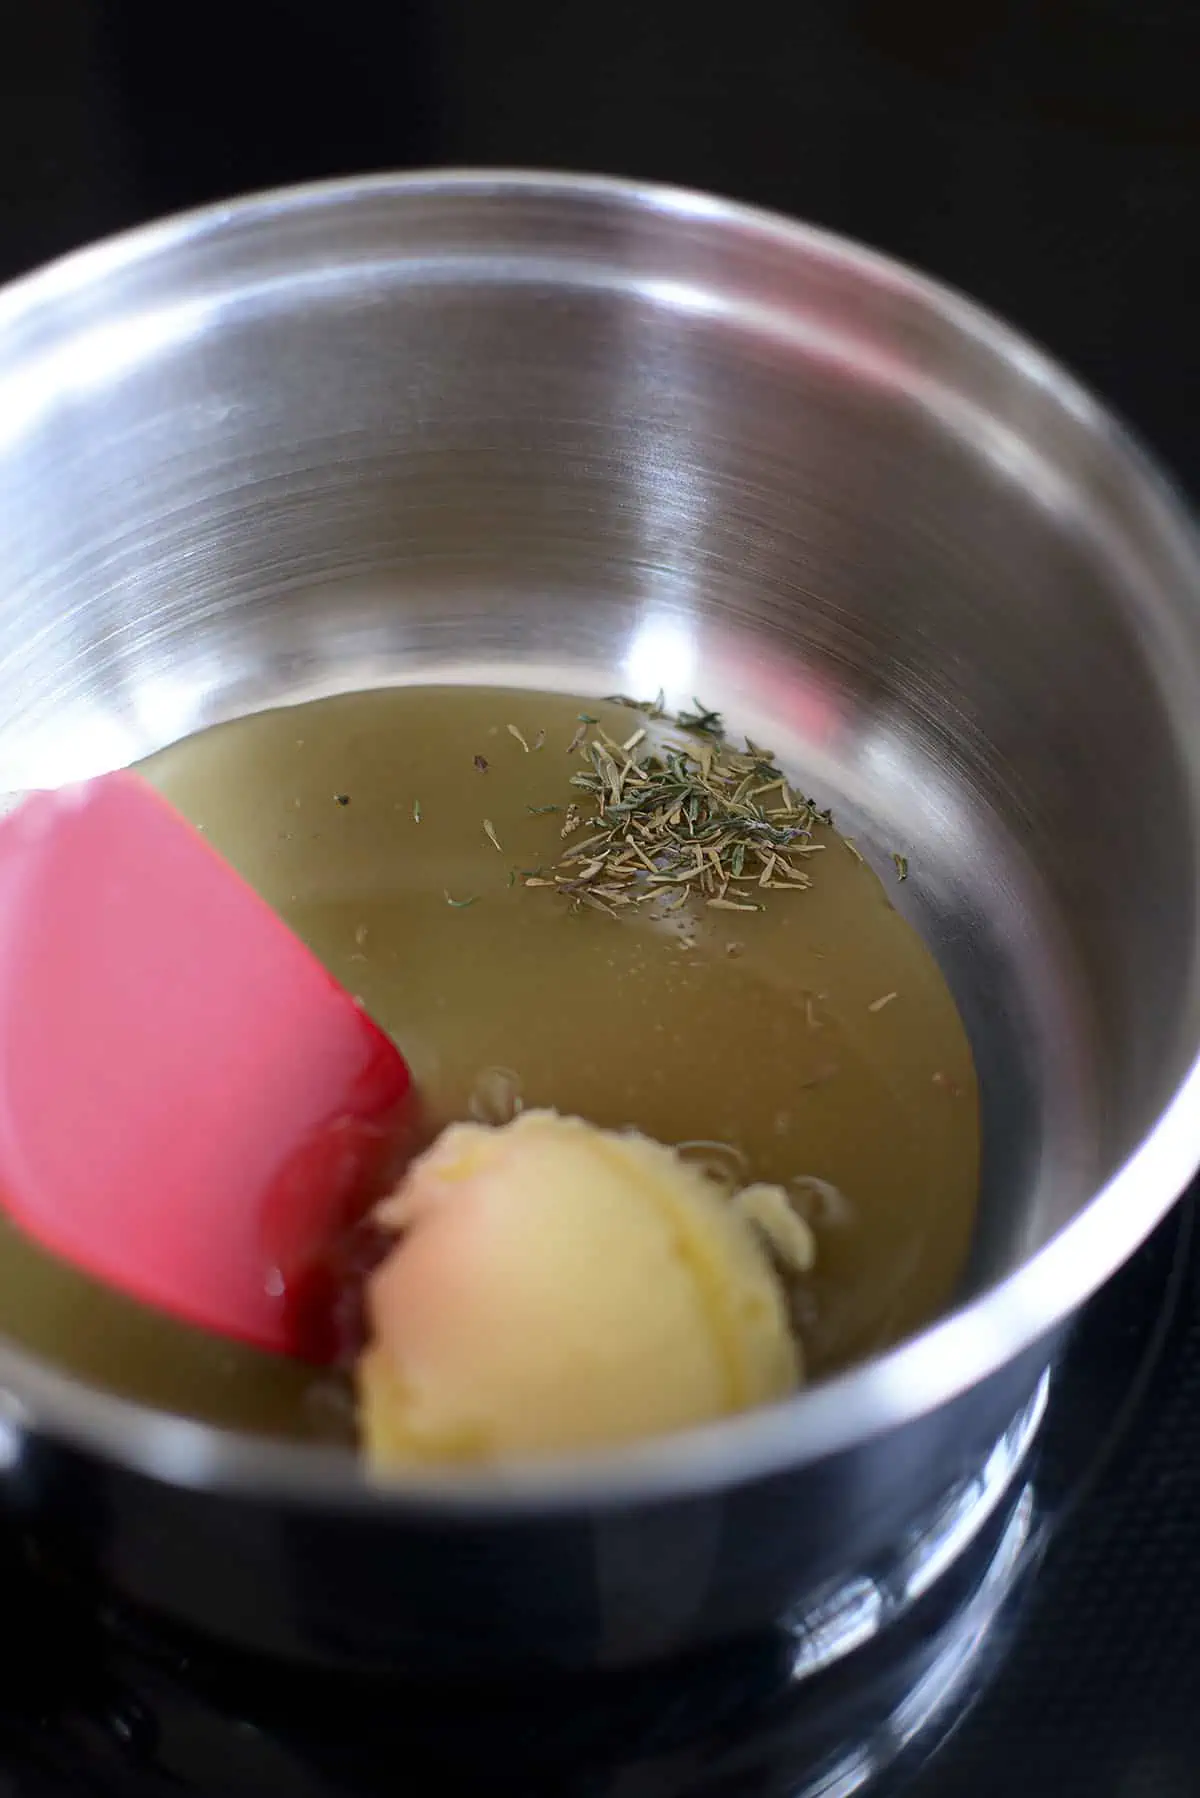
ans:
x=705 y=722
x=676 y=819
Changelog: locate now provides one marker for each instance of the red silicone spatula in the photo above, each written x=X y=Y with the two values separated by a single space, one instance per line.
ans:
x=191 y=1108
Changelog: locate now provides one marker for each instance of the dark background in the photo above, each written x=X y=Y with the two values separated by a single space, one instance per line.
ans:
x=1044 y=155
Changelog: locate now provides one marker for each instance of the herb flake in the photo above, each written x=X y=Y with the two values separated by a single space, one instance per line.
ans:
x=686 y=816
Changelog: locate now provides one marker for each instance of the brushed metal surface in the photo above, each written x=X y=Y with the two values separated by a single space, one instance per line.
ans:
x=566 y=432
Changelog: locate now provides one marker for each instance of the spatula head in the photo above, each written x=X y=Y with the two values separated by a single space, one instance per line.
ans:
x=191 y=1108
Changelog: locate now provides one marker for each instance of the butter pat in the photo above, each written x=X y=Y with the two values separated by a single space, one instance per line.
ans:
x=557 y=1288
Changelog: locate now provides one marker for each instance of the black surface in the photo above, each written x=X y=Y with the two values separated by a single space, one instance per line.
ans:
x=1045 y=156
x=102 y=1702
x=1097 y=1687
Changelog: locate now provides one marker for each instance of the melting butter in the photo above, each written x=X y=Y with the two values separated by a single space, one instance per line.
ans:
x=814 y=1043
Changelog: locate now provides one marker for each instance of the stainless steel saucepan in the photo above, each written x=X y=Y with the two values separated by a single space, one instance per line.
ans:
x=567 y=432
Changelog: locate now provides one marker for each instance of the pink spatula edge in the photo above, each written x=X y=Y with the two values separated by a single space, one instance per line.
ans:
x=191 y=1108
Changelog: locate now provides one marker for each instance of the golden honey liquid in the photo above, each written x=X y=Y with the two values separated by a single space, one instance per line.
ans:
x=360 y=818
